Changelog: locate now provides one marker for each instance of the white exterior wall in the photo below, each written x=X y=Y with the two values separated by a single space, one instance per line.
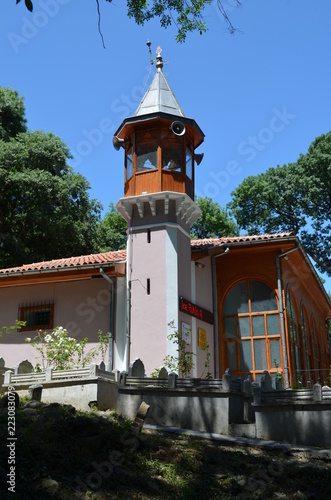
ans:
x=120 y=325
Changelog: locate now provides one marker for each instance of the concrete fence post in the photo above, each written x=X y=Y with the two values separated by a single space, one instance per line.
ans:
x=48 y=374
x=123 y=376
x=226 y=380
x=279 y=382
x=7 y=379
x=117 y=374
x=317 y=392
x=172 y=380
x=93 y=370
x=257 y=394
x=247 y=386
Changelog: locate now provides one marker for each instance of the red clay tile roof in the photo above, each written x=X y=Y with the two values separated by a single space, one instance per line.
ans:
x=209 y=243
x=70 y=262
x=120 y=255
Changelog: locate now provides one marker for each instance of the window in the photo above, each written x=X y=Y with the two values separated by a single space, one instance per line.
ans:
x=172 y=156
x=129 y=165
x=146 y=156
x=294 y=339
x=325 y=372
x=37 y=317
x=316 y=351
x=189 y=165
x=307 y=374
x=252 y=329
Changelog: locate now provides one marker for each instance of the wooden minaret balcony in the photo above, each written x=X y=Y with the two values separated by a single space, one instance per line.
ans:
x=159 y=143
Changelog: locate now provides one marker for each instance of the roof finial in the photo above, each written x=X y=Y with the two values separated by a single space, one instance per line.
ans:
x=159 y=62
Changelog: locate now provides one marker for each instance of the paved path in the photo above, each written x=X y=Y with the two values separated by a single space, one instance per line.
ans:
x=318 y=453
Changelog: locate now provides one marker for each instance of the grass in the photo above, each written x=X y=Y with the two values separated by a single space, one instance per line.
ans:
x=64 y=454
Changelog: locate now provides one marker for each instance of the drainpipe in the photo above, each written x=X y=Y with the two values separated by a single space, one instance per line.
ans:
x=111 y=320
x=216 y=343
x=281 y=312
x=128 y=299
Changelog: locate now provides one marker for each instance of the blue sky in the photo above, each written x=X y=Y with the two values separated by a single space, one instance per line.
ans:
x=260 y=96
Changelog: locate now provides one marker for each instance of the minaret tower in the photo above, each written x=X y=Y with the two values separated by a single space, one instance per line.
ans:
x=159 y=142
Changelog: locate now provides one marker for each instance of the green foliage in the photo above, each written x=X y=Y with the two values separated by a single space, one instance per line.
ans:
x=214 y=221
x=28 y=4
x=205 y=348
x=294 y=197
x=183 y=362
x=61 y=352
x=155 y=373
x=12 y=114
x=45 y=210
x=186 y=16
x=7 y=330
x=111 y=231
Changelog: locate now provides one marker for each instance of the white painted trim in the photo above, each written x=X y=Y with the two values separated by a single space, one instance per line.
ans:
x=161 y=225
x=194 y=321
x=171 y=283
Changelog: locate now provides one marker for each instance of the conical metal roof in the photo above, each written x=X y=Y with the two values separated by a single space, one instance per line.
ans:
x=159 y=102
x=159 y=98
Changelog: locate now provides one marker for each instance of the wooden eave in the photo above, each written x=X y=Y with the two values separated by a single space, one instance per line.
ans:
x=244 y=247
x=129 y=125
x=300 y=263
x=61 y=275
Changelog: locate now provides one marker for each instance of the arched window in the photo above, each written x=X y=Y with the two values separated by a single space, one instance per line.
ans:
x=324 y=374
x=293 y=338
x=316 y=351
x=306 y=343
x=252 y=329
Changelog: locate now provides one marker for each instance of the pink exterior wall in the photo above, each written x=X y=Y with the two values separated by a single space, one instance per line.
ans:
x=203 y=297
x=80 y=306
x=166 y=261
x=148 y=312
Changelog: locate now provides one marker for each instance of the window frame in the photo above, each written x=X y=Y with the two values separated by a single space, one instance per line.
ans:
x=37 y=308
x=253 y=339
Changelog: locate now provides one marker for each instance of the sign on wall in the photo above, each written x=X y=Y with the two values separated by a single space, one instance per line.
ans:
x=197 y=312
x=202 y=338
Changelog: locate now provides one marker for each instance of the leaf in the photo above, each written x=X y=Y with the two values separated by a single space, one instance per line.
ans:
x=29 y=5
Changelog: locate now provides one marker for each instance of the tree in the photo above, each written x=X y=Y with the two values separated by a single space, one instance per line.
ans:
x=12 y=119
x=185 y=15
x=45 y=210
x=294 y=197
x=214 y=221
x=111 y=231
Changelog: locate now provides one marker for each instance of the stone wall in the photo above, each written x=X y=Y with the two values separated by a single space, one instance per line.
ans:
x=193 y=408
x=220 y=406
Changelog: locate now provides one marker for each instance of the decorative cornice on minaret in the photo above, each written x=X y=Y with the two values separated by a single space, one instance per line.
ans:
x=186 y=210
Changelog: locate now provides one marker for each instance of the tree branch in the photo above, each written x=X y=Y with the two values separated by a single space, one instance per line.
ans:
x=99 y=23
